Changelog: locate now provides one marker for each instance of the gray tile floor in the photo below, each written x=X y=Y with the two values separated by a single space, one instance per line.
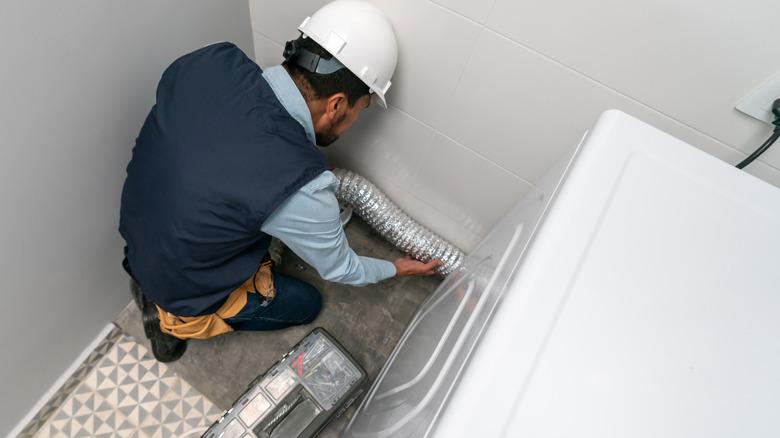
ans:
x=367 y=321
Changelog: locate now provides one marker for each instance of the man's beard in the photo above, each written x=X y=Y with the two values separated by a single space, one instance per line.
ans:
x=325 y=139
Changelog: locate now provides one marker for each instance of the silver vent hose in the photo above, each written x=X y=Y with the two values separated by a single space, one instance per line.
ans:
x=384 y=216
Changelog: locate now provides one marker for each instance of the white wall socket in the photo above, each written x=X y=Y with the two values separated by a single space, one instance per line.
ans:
x=758 y=103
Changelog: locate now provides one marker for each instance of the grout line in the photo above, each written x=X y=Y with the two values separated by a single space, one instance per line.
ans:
x=761 y=161
x=484 y=27
x=529 y=183
x=428 y=145
x=255 y=54
x=471 y=51
x=620 y=93
x=273 y=40
x=490 y=12
x=436 y=131
x=469 y=58
x=460 y=14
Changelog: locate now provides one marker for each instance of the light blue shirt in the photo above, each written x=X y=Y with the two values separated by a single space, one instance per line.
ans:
x=308 y=221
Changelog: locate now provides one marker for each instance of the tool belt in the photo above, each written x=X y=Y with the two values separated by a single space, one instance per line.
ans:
x=208 y=326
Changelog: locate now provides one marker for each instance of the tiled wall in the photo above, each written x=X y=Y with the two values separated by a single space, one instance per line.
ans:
x=489 y=93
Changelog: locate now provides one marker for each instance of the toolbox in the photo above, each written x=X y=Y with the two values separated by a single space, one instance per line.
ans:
x=311 y=385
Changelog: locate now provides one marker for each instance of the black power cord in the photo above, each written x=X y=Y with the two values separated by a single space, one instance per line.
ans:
x=770 y=141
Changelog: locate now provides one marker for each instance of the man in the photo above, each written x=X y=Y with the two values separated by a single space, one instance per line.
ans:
x=227 y=158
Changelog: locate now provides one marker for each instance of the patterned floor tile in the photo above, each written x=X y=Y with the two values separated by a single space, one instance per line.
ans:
x=73 y=381
x=128 y=393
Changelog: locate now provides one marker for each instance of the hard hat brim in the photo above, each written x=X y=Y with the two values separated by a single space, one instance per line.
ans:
x=379 y=99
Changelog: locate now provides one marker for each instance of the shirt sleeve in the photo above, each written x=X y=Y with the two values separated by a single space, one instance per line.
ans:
x=308 y=223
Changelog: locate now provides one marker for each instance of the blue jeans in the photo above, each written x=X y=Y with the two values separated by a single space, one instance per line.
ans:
x=296 y=302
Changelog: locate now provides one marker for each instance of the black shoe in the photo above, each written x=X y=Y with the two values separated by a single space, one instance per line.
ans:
x=138 y=296
x=166 y=348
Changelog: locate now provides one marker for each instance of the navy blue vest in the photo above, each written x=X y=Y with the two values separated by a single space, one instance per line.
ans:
x=216 y=156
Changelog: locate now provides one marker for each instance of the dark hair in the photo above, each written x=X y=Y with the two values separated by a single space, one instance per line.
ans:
x=325 y=85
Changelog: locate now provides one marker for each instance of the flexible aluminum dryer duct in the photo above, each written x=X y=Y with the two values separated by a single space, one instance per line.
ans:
x=384 y=216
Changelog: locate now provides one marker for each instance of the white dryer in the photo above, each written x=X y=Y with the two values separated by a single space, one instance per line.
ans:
x=634 y=293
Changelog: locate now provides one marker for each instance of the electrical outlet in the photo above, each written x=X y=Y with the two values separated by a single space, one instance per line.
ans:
x=758 y=103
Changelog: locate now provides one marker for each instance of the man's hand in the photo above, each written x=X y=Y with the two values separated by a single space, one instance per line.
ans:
x=409 y=266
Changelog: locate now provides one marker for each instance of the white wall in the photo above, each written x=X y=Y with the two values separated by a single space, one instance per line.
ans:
x=77 y=79
x=489 y=93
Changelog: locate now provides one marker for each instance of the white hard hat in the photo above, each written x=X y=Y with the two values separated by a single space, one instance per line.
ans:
x=358 y=34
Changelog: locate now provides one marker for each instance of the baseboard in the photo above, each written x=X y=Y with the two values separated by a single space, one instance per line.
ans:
x=60 y=381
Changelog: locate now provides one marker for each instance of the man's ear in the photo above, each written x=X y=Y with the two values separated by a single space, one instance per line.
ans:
x=336 y=106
